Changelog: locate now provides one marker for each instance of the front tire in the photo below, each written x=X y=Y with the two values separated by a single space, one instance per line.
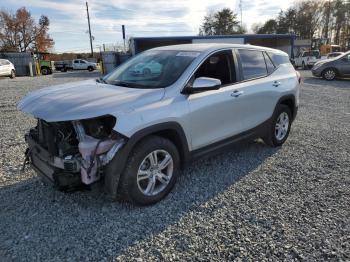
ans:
x=279 y=127
x=151 y=171
x=13 y=74
x=90 y=69
x=329 y=74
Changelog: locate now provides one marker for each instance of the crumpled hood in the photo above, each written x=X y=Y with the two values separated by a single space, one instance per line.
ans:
x=85 y=99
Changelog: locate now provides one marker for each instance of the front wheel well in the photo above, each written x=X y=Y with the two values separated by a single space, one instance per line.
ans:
x=175 y=138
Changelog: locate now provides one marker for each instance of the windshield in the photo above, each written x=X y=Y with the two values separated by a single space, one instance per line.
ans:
x=151 y=69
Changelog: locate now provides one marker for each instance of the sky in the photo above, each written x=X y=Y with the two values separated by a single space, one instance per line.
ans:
x=69 y=28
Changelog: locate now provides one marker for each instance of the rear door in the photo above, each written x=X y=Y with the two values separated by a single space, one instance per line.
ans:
x=344 y=65
x=76 y=64
x=83 y=64
x=259 y=85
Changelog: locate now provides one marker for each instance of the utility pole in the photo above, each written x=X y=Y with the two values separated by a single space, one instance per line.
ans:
x=240 y=8
x=326 y=28
x=88 y=17
x=123 y=31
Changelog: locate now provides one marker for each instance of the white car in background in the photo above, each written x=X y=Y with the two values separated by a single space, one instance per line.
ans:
x=7 y=68
x=306 y=59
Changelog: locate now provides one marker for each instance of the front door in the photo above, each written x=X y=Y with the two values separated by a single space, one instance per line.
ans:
x=215 y=115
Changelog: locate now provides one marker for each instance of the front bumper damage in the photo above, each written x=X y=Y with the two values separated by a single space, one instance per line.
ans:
x=71 y=171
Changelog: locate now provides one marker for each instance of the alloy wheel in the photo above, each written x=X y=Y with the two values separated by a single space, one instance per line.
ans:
x=155 y=172
x=329 y=74
x=282 y=125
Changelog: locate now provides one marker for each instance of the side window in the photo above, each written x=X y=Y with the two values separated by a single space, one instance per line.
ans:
x=76 y=61
x=82 y=62
x=219 y=66
x=253 y=63
x=278 y=59
x=269 y=65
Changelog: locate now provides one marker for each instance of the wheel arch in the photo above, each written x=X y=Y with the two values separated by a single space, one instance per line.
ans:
x=169 y=130
x=331 y=67
x=288 y=100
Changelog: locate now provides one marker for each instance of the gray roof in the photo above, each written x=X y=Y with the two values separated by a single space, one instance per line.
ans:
x=209 y=47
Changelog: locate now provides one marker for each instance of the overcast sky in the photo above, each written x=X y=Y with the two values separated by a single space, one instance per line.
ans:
x=141 y=17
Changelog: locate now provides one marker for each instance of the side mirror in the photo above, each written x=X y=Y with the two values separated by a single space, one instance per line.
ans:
x=201 y=84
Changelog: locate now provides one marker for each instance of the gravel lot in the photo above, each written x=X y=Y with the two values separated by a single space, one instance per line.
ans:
x=254 y=202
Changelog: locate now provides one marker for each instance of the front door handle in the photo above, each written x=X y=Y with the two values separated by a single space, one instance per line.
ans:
x=276 y=83
x=236 y=93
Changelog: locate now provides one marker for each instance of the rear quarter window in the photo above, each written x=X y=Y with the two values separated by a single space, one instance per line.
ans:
x=278 y=59
x=253 y=63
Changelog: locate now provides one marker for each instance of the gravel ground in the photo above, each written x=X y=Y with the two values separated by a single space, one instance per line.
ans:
x=252 y=203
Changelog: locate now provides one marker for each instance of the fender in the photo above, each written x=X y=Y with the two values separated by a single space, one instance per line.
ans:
x=116 y=167
x=294 y=107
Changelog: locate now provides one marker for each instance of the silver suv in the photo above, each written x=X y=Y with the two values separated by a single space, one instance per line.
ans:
x=133 y=130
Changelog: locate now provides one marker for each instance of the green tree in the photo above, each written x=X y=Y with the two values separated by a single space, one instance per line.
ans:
x=270 y=27
x=223 y=22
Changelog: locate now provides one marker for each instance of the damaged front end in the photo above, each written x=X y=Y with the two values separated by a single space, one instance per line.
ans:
x=73 y=153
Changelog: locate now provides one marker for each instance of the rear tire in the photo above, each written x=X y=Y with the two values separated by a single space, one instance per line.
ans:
x=143 y=181
x=13 y=74
x=329 y=74
x=279 y=127
x=45 y=71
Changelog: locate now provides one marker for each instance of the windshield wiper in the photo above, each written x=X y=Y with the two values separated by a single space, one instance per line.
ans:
x=101 y=80
x=122 y=83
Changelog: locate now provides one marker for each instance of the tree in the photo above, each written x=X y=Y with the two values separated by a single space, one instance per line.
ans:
x=19 y=32
x=270 y=27
x=223 y=22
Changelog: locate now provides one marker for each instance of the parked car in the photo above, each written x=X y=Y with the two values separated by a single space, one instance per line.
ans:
x=150 y=68
x=76 y=64
x=137 y=131
x=330 y=69
x=334 y=54
x=7 y=68
x=306 y=59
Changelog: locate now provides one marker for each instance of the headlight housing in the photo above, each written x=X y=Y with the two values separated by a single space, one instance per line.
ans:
x=317 y=65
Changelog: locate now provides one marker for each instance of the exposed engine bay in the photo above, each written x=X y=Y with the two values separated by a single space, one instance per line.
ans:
x=73 y=153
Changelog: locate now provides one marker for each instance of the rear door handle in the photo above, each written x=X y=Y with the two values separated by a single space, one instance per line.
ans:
x=276 y=83
x=236 y=93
